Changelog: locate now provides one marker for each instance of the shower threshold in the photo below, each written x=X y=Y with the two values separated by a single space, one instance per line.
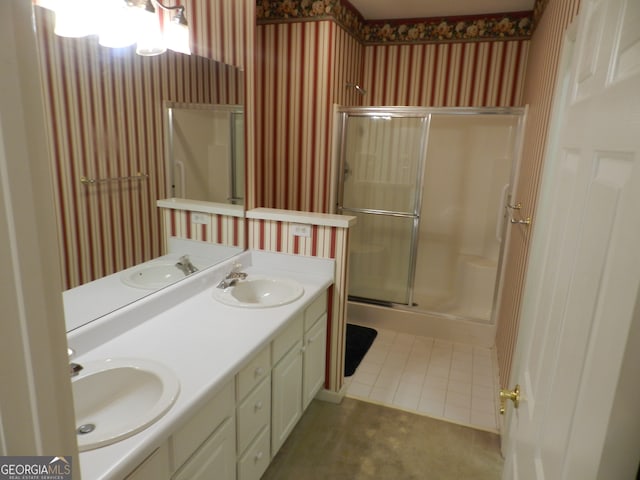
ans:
x=407 y=319
x=415 y=308
x=370 y=301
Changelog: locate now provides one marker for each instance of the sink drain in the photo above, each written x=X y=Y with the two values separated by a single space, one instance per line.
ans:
x=86 y=428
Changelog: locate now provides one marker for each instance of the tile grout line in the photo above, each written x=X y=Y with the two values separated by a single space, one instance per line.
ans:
x=400 y=369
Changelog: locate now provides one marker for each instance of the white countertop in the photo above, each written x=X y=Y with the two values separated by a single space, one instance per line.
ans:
x=104 y=295
x=203 y=341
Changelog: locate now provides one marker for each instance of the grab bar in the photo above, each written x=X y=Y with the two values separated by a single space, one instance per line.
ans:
x=525 y=221
x=522 y=221
x=388 y=213
x=92 y=181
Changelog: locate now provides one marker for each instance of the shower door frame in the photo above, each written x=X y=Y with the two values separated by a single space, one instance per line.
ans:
x=394 y=112
x=342 y=114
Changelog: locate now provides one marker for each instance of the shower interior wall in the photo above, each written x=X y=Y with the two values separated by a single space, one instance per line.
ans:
x=468 y=166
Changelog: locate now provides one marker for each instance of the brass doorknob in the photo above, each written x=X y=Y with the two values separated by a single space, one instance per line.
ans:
x=513 y=395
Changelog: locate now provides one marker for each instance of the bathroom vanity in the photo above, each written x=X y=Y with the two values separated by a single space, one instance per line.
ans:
x=246 y=373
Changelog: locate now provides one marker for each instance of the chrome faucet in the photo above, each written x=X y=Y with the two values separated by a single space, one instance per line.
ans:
x=185 y=265
x=232 y=277
x=74 y=368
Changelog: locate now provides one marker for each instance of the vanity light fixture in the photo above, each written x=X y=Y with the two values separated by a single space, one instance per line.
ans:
x=151 y=25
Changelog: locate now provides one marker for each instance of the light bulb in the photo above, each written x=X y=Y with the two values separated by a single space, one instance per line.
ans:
x=75 y=18
x=117 y=27
x=176 y=36
x=150 y=41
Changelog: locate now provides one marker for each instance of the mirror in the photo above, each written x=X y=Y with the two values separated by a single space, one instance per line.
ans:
x=105 y=115
x=205 y=152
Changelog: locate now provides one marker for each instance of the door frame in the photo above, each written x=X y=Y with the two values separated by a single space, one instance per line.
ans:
x=36 y=405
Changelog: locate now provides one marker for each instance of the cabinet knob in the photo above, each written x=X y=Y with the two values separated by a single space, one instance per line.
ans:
x=258 y=406
x=258 y=456
x=309 y=340
x=259 y=371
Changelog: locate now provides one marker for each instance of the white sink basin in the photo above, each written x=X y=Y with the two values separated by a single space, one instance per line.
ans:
x=117 y=398
x=152 y=275
x=260 y=292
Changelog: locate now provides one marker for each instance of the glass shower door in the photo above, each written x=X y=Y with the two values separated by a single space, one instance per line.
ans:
x=382 y=159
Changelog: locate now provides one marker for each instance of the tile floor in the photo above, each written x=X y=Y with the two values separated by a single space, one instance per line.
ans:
x=446 y=380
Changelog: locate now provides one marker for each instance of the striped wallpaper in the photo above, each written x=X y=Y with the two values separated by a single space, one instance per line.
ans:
x=299 y=69
x=105 y=118
x=218 y=29
x=541 y=74
x=324 y=242
x=220 y=229
x=473 y=74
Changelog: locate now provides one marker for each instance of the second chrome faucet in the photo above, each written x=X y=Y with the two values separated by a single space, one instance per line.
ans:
x=185 y=265
x=232 y=277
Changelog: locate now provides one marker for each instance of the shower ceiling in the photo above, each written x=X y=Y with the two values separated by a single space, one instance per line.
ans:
x=390 y=9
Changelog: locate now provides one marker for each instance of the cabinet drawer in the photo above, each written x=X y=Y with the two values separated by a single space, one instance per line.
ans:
x=287 y=339
x=254 y=413
x=257 y=369
x=255 y=461
x=315 y=310
x=215 y=459
x=186 y=440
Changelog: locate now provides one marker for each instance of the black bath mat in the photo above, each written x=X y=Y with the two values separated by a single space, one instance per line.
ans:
x=358 y=341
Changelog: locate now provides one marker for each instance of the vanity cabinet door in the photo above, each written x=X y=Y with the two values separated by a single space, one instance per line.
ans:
x=315 y=346
x=215 y=459
x=286 y=400
x=155 y=467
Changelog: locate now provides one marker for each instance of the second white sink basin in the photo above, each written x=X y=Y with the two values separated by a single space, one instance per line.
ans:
x=117 y=398
x=152 y=275
x=260 y=292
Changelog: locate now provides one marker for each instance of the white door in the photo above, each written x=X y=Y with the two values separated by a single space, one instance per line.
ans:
x=583 y=281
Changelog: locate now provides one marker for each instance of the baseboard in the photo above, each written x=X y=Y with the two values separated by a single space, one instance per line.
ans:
x=330 y=396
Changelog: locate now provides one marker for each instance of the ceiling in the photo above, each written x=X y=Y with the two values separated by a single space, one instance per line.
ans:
x=394 y=9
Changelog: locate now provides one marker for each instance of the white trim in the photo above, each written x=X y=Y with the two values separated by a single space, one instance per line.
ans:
x=322 y=219
x=202 y=206
x=330 y=396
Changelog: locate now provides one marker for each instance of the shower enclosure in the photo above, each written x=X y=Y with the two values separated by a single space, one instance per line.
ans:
x=429 y=189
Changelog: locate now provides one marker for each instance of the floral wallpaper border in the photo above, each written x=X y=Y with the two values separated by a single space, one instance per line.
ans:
x=506 y=26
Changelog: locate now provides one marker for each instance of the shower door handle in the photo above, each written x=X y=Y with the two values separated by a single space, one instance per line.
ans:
x=180 y=166
x=501 y=212
x=347 y=170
